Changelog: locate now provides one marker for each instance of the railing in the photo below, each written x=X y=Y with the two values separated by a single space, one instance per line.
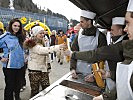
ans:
x=7 y=14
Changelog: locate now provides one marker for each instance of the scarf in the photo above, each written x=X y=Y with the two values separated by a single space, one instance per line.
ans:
x=90 y=31
x=115 y=38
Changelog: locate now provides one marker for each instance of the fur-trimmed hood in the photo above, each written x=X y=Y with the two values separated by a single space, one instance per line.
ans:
x=29 y=43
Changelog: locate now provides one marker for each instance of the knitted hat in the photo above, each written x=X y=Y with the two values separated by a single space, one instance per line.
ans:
x=88 y=14
x=35 y=30
x=118 y=21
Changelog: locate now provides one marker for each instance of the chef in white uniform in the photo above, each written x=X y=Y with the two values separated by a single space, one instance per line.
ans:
x=124 y=73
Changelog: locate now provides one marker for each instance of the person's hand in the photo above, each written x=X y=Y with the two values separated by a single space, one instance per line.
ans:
x=98 y=98
x=74 y=75
x=67 y=53
x=105 y=74
x=89 y=78
x=4 y=60
x=49 y=67
x=63 y=46
x=46 y=40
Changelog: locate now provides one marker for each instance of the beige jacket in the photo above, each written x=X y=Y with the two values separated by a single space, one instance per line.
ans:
x=37 y=57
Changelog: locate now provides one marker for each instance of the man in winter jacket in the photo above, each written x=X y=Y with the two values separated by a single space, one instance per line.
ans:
x=88 y=38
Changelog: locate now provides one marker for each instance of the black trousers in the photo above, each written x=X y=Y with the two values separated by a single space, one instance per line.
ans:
x=12 y=83
x=23 y=80
x=53 y=54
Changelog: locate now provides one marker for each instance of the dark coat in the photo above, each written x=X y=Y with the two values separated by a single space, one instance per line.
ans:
x=88 y=32
x=53 y=38
x=112 y=53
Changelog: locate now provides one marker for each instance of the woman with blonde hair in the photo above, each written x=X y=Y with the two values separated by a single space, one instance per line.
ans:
x=37 y=65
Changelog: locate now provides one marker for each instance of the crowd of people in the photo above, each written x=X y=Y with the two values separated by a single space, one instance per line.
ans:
x=37 y=51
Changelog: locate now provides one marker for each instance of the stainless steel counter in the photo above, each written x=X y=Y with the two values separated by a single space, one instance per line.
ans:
x=68 y=88
x=81 y=85
x=60 y=92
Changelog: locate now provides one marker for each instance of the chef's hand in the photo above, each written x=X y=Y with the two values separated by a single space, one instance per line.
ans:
x=89 y=78
x=98 y=98
x=105 y=74
x=74 y=75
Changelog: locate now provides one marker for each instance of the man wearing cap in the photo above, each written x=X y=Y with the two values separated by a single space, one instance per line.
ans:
x=88 y=38
x=117 y=32
x=117 y=36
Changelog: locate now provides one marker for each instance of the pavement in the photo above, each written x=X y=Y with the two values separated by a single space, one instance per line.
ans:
x=56 y=73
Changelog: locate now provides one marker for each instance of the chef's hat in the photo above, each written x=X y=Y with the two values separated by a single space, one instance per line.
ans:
x=118 y=21
x=130 y=6
x=88 y=14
